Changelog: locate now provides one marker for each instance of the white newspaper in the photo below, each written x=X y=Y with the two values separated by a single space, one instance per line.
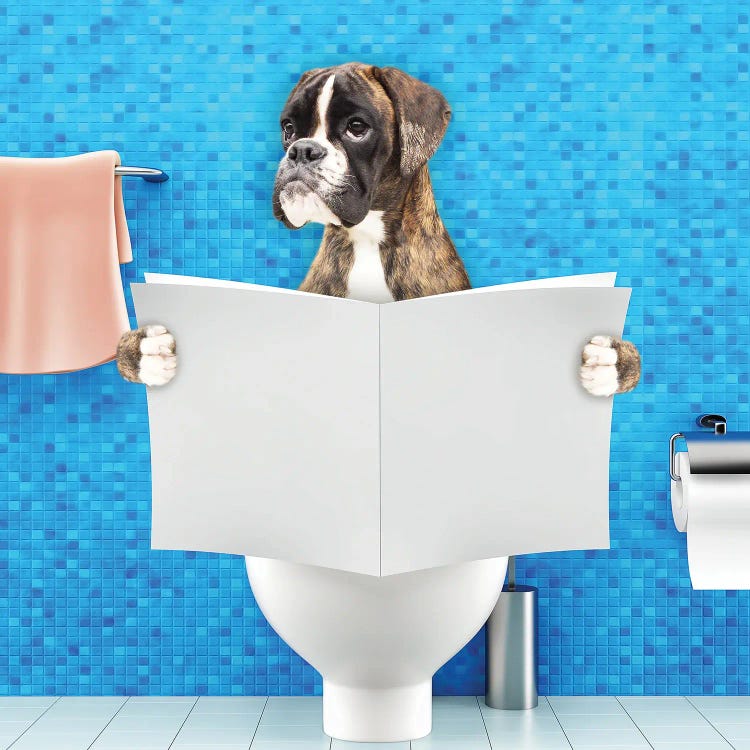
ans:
x=380 y=438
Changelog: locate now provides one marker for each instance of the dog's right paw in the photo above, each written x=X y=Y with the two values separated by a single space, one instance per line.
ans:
x=147 y=355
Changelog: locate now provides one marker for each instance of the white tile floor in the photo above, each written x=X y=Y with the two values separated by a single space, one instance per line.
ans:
x=559 y=723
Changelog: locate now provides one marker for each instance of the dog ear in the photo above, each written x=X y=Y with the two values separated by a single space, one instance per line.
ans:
x=422 y=116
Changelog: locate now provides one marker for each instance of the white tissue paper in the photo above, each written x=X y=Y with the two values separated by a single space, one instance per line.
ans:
x=714 y=509
x=679 y=507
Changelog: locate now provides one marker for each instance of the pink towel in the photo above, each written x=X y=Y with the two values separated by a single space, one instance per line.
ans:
x=62 y=237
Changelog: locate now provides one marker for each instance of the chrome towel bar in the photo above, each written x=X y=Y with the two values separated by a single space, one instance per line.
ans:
x=147 y=173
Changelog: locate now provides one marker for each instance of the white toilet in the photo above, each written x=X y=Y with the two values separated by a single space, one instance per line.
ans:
x=376 y=641
x=377 y=510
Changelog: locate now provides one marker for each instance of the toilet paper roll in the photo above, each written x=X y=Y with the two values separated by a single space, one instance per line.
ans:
x=679 y=507
x=715 y=509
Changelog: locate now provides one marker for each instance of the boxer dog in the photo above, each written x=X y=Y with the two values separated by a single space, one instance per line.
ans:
x=357 y=139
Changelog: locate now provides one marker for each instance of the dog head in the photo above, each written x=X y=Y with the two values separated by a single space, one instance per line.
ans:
x=347 y=129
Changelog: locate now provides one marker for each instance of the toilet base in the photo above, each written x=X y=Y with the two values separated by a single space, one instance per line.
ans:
x=396 y=714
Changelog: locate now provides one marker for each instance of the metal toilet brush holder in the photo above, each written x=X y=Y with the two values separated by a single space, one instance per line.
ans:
x=511 y=647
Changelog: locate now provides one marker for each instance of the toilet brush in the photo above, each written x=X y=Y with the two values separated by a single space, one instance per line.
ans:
x=511 y=647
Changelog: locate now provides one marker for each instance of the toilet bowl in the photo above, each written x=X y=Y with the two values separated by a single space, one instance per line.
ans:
x=377 y=641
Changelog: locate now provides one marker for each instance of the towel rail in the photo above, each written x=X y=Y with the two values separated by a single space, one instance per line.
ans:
x=147 y=173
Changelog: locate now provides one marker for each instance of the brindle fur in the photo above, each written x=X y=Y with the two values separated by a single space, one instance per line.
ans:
x=129 y=354
x=628 y=365
x=330 y=268
x=419 y=258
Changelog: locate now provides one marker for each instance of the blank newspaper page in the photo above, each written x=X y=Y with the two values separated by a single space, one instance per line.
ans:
x=490 y=446
x=266 y=441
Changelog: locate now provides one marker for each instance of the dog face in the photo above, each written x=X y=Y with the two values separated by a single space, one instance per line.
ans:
x=347 y=130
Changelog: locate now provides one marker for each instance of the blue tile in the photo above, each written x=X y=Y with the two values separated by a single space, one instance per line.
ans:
x=581 y=141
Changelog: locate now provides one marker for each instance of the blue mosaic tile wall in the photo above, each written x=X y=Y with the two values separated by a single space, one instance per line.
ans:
x=587 y=136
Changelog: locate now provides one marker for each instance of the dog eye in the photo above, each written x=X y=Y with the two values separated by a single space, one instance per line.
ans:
x=287 y=128
x=356 y=127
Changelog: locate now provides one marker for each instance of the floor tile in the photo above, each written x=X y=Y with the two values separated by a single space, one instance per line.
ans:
x=682 y=734
x=734 y=702
x=540 y=710
x=536 y=742
x=654 y=703
x=522 y=724
x=507 y=738
x=13 y=701
x=157 y=709
x=730 y=715
x=322 y=743
x=72 y=708
x=11 y=731
x=230 y=705
x=34 y=741
x=288 y=712
x=118 y=741
x=68 y=726
x=596 y=721
x=465 y=732
x=217 y=735
x=237 y=745
x=600 y=738
x=459 y=723
x=138 y=737
x=446 y=703
x=451 y=743
x=90 y=701
x=19 y=713
x=270 y=732
x=585 y=704
x=668 y=719
x=293 y=718
x=276 y=703
x=191 y=699
x=226 y=721
x=733 y=732
x=440 y=733
x=463 y=719
x=734 y=719
x=341 y=745
x=140 y=723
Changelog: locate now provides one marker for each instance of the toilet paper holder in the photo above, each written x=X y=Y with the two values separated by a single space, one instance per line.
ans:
x=717 y=452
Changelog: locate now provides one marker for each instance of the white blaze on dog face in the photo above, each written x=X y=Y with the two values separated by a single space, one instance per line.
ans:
x=334 y=163
x=303 y=205
x=324 y=100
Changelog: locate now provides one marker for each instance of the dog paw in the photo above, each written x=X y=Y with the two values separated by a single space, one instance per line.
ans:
x=147 y=355
x=609 y=365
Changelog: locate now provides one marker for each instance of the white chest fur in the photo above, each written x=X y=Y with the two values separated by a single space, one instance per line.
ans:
x=366 y=279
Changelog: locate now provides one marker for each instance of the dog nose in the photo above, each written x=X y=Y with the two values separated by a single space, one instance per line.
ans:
x=305 y=150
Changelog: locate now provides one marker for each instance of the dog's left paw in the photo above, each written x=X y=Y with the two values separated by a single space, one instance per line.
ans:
x=609 y=365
